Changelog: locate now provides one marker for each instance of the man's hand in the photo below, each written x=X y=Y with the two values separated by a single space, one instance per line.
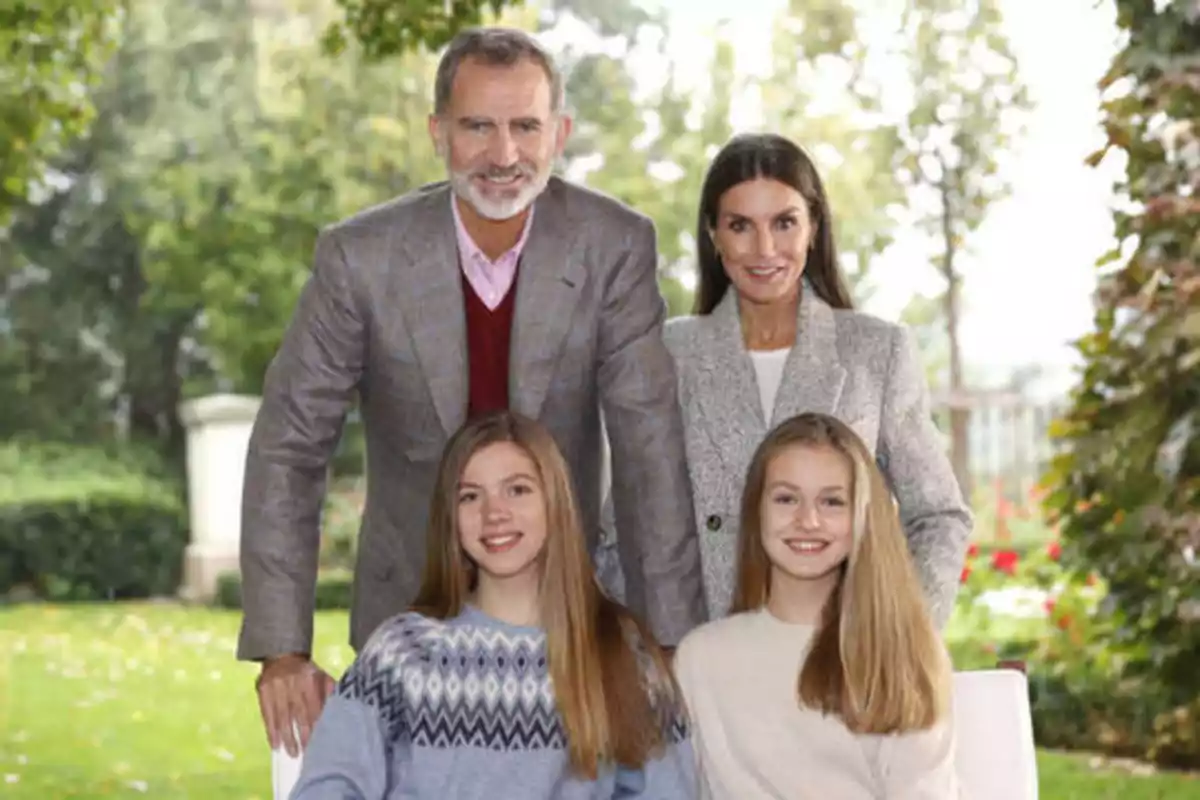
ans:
x=291 y=692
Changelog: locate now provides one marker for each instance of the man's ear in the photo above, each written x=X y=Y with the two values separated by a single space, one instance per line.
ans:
x=565 y=124
x=437 y=134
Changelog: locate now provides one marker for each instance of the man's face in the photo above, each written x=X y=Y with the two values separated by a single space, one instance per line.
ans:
x=499 y=136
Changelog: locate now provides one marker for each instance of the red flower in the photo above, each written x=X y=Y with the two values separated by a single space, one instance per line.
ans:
x=1005 y=561
x=973 y=550
x=1049 y=605
x=1054 y=550
x=966 y=573
x=1064 y=622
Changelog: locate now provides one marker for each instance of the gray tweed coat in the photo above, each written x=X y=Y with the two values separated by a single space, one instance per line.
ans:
x=862 y=370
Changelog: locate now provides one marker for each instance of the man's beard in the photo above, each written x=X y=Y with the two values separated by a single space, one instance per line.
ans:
x=499 y=208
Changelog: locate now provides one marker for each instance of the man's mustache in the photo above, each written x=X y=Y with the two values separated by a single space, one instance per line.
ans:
x=515 y=171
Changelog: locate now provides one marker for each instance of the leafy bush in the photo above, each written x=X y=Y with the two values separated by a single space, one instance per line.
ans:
x=81 y=524
x=1126 y=489
x=1079 y=699
x=1086 y=698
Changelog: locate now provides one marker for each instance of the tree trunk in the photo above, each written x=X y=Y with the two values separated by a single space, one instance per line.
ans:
x=960 y=413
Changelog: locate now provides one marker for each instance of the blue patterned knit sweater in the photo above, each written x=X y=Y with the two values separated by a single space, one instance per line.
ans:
x=463 y=709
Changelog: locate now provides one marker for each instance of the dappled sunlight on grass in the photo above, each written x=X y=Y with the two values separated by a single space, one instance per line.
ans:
x=133 y=701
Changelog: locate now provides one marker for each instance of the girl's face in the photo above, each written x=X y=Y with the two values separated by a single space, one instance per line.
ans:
x=502 y=512
x=807 y=514
x=763 y=232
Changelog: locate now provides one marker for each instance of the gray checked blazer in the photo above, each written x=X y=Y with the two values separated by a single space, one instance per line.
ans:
x=862 y=370
x=382 y=318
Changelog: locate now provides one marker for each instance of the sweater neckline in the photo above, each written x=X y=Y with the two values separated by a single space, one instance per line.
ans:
x=473 y=615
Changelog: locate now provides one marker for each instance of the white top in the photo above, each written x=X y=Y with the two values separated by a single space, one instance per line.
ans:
x=768 y=366
x=754 y=742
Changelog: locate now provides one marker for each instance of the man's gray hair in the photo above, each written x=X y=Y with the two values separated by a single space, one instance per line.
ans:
x=497 y=47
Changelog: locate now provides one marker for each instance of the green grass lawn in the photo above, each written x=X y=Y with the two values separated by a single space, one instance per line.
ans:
x=146 y=700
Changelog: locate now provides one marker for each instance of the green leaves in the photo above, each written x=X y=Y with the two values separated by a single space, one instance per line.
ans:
x=1127 y=485
x=171 y=261
x=385 y=28
x=272 y=154
x=852 y=150
x=51 y=55
x=963 y=114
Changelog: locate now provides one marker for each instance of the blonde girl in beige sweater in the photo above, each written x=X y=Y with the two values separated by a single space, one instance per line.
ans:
x=829 y=679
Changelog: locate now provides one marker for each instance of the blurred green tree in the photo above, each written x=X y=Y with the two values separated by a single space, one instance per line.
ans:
x=966 y=112
x=385 y=28
x=54 y=53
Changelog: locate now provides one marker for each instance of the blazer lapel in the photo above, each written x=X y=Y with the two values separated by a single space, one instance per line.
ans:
x=727 y=388
x=433 y=308
x=813 y=375
x=549 y=280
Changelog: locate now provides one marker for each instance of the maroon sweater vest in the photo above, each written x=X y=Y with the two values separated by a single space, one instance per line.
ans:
x=488 y=336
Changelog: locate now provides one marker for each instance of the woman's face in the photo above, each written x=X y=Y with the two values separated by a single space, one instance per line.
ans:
x=502 y=512
x=763 y=232
x=807 y=515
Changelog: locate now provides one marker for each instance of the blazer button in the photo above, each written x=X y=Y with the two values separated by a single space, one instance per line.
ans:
x=713 y=522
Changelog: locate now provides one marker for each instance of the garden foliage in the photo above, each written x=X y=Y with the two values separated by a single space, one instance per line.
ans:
x=1126 y=489
x=86 y=525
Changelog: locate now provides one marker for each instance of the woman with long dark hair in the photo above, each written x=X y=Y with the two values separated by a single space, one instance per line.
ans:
x=775 y=334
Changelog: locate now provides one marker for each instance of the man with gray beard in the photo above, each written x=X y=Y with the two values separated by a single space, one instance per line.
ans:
x=504 y=287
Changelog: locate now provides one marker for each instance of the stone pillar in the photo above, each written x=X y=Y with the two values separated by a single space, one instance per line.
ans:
x=218 y=435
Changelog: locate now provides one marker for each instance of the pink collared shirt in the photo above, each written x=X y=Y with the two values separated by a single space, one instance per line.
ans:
x=491 y=280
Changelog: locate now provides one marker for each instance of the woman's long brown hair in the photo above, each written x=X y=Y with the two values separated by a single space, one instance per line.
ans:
x=596 y=648
x=876 y=660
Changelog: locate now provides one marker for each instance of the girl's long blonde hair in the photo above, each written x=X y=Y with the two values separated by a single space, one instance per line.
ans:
x=876 y=660
x=596 y=648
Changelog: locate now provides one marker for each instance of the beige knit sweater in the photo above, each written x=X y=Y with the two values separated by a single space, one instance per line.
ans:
x=754 y=742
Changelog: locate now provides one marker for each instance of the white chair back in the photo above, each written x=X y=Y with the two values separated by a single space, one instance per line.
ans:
x=994 y=752
x=285 y=771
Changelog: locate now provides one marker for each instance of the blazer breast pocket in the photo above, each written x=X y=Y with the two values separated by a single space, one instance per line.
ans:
x=400 y=381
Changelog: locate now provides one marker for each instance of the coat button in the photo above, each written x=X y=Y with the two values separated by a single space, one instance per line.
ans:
x=713 y=522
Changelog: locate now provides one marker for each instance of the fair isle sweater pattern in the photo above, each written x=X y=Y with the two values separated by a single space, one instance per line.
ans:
x=465 y=683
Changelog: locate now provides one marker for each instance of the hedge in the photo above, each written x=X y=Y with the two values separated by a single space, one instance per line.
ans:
x=83 y=524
